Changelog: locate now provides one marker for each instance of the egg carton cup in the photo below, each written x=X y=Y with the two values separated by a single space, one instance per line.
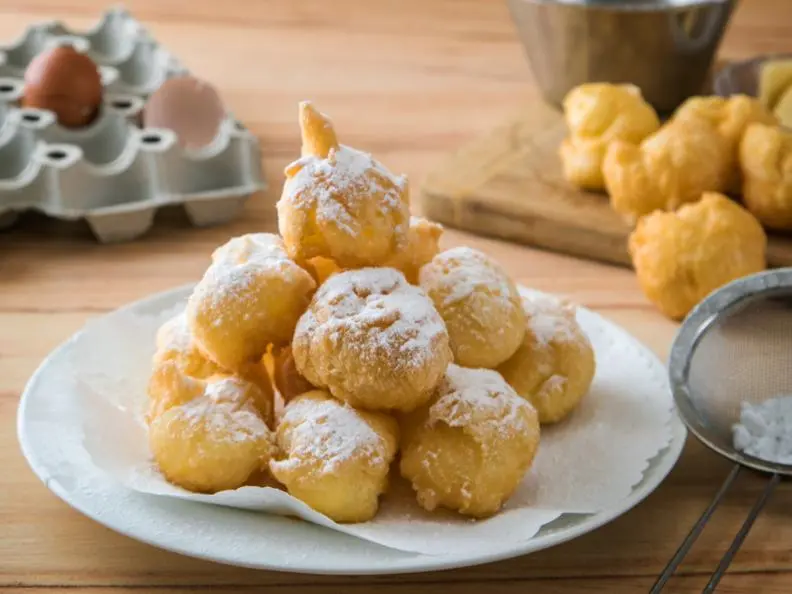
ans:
x=113 y=173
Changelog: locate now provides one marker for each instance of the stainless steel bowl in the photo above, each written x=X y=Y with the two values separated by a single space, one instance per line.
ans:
x=665 y=47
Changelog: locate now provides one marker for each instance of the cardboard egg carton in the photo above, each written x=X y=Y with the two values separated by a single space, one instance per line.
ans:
x=114 y=173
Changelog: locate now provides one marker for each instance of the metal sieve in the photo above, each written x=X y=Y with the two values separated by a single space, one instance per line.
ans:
x=734 y=347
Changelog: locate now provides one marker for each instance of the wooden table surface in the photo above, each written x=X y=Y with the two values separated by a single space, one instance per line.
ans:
x=408 y=80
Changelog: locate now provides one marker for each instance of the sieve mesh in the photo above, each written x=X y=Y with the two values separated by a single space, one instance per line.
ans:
x=744 y=355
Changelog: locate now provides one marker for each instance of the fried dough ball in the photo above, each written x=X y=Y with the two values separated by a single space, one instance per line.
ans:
x=775 y=77
x=287 y=379
x=766 y=163
x=730 y=117
x=257 y=374
x=423 y=243
x=340 y=203
x=472 y=446
x=213 y=442
x=479 y=304
x=170 y=386
x=554 y=366
x=251 y=296
x=373 y=340
x=336 y=459
x=175 y=343
x=321 y=269
x=670 y=168
x=596 y=115
x=681 y=257
x=783 y=109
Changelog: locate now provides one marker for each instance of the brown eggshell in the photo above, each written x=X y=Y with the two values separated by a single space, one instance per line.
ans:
x=190 y=107
x=66 y=82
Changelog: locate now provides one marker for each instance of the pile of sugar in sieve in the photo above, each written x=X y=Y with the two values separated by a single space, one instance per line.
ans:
x=765 y=430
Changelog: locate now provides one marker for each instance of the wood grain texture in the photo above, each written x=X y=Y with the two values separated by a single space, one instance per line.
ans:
x=411 y=81
x=509 y=184
x=771 y=584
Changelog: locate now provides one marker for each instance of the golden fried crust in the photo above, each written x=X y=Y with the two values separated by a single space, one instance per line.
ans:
x=372 y=340
x=730 y=117
x=264 y=396
x=598 y=114
x=479 y=304
x=681 y=257
x=318 y=134
x=321 y=269
x=775 y=77
x=783 y=109
x=214 y=441
x=342 y=205
x=288 y=380
x=423 y=243
x=335 y=458
x=170 y=386
x=250 y=297
x=175 y=343
x=178 y=361
x=470 y=448
x=672 y=167
x=554 y=366
x=766 y=163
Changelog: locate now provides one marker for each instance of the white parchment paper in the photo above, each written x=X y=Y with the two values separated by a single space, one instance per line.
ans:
x=586 y=464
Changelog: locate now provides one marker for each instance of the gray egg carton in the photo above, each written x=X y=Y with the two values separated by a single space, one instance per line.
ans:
x=113 y=173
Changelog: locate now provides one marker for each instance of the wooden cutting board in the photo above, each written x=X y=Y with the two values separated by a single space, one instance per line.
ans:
x=509 y=185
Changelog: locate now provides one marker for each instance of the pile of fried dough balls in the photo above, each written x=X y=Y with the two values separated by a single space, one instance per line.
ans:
x=312 y=359
x=670 y=182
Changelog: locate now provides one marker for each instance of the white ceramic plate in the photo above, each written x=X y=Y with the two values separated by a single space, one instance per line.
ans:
x=257 y=540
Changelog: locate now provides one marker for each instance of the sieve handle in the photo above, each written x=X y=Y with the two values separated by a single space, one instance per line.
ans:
x=740 y=537
x=694 y=533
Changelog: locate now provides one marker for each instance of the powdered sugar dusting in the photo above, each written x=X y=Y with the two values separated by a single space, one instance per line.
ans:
x=480 y=396
x=376 y=313
x=329 y=432
x=223 y=283
x=554 y=382
x=463 y=271
x=224 y=421
x=174 y=335
x=338 y=188
x=238 y=266
x=550 y=320
x=254 y=248
x=226 y=390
